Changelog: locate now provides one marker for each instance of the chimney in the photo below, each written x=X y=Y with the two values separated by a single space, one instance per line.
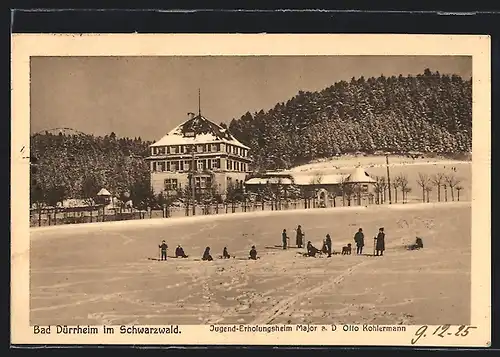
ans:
x=191 y=115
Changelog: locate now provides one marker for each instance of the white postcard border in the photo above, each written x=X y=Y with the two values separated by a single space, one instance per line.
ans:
x=26 y=45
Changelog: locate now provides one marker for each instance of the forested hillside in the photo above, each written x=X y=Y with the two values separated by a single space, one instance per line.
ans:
x=77 y=166
x=429 y=112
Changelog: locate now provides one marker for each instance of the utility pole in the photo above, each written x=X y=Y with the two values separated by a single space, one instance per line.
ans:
x=193 y=187
x=388 y=177
x=199 y=102
x=193 y=161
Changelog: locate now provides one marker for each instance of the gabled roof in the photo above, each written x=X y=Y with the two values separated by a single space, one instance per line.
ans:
x=103 y=192
x=360 y=176
x=204 y=130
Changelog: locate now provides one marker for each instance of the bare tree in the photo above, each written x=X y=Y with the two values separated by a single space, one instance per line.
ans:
x=445 y=192
x=406 y=190
x=378 y=190
x=458 y=188
x=428 y=190
x=452 y=182
x=423 y=182
x=403 y=183
x=396 y=184
x=349 y=191
x=383 y=188
x=356 y=189
x=342 y=187
x=438 y=180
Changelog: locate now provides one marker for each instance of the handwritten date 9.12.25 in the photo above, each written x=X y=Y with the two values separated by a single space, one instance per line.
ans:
x=442 y=331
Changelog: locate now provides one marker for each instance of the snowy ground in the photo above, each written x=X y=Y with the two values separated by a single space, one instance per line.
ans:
x=105 y=274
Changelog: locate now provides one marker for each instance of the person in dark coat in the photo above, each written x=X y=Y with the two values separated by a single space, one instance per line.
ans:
x=300 y=236
x=206 y=254
x=163 y=246
x=380 y=246
x=419 y=244
x=324 y=248
x=328 y=242
x=359 y=239
x=225 y=254
x=253 y=253
x=284 y=238
x=179 y=252
x=312 y=250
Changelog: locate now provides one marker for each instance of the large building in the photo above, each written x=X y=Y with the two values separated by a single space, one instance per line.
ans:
x=319 y=185
x=203 y=150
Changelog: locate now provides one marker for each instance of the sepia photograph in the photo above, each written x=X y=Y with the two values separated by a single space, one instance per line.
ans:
x=252 y=190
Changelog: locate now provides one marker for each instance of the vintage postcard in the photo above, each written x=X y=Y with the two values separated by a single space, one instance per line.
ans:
x=288 y=190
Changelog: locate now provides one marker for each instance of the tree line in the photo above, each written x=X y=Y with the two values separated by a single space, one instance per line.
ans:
x=429 y=112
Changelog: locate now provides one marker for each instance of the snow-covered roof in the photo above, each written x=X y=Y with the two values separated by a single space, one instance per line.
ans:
x=304 y=179
x=271 y=180
x=103 y=192
x=204 y=130
x=360 y=176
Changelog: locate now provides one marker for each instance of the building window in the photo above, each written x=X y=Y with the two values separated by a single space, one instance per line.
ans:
x=162 y=166
x=154 y=166
x=199 y=148
x=153 y=151
x=171 y=184
x=187 y=165
x=173 y=166
x=228 y=148
x=200 y=165
x=203 y=182
x=215 y=163
x=215 y=147
x=161 y=150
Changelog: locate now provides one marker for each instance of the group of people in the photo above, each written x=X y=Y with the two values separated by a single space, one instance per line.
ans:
x=379 y=240
x=312 y=251
x=179 y=253
x=359 y=240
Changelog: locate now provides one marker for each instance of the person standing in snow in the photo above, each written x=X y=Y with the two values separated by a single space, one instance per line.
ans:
x=163 y=248
x=380 y=245
x=300 y=236
x=359 y=239
x=328 y=242
x=284 y=238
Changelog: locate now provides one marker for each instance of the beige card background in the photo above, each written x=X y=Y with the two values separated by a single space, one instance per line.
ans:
x=24 y=46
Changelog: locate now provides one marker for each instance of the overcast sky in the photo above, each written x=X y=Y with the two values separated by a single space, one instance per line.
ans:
x=148 y=96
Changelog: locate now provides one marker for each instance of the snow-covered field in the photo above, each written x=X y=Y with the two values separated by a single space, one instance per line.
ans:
x=376 y=166
x=104 y=273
